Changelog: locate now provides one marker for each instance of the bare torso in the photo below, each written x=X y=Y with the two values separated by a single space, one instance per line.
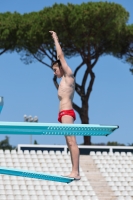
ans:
x=66 y=92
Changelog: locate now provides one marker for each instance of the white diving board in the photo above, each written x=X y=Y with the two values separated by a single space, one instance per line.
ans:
x=28 y=128
x=35 y=175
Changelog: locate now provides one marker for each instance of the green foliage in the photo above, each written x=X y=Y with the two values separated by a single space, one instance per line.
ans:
x=92 y=28
x=86 y=27
x=115 y=144
x=35 y=142
x=4 y=144
x=8 y=30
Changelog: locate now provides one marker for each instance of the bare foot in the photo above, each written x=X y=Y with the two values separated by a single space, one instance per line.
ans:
x=75 y=176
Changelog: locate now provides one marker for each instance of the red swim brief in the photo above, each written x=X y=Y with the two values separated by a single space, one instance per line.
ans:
x=66 y=112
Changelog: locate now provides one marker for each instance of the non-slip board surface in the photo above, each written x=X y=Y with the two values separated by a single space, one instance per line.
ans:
x=28 y=128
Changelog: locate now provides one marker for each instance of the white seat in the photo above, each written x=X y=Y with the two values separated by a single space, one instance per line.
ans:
x=85 y=193
x=54 y=192
x=130 y=193
x=69 y=193
x=39 y=152
x=117 y=193
x=92 y=153
x=37 y=187
x=56 y=197
x=2 y=192
x=128 y=179
x=16 y=165
x=120 y=198
x=33 y=197
x=121 y=188
x=60 y=188
x=40 y=197
x=64 y=198
x=124 y=193
x=8 y=187
x=129 y=154
x=18 y=197
x=72 y=198
x=32 y=192
x=128 y=170
x=114 y=188
x=26 y=152
x=1 y=151
x=23 y=187
x=111 y=183
x=14 y=182
x=62 y=193
x=48 y=197
x=10 y=197
x=125 y=174
x=122 y=170
x=9 y=192
x=26 y=197
x=80 y=197
x=128 y=188
x=117 y=153
x=98 y=153
x=3 y=164
x=32 y=152
x=40 y=156
x=7 y=151
x=77 y=193
x=48 y=192
x=91 y=193
x=128 y=198
x=16 y=192
x=51 y=152
x=1 y=186
x=105 y=174
x=93 y=198
x=104 y=153
x=13 y=151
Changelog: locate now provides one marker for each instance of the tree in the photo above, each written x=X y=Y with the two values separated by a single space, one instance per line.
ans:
x=4 y=144
x=89 y=30
x=8 y=31
x=35 y=142
x=129 y=54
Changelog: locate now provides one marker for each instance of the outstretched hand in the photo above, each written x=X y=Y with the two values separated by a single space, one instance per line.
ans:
x=54 y=35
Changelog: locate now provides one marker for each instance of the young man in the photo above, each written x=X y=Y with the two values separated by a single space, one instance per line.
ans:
x=65 y=93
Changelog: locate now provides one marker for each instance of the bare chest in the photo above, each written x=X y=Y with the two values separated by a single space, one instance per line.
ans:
x=66 y=89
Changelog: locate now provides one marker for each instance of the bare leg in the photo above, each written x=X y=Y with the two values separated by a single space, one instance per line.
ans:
x=74 y=150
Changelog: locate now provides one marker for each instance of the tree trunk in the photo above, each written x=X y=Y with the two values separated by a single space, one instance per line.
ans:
x=85 y=119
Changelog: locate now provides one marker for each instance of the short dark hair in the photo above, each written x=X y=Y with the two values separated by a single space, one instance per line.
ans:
x=55 y=62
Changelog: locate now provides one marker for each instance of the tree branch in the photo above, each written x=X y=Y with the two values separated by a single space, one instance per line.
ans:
x=95 y=61
x=46 y=53
x=76 y=70
x=53 y=53
x=76 y=107
x=78 y=89
x=4 y=51
x=89 y=89
x=41 y=61
x=55 y=82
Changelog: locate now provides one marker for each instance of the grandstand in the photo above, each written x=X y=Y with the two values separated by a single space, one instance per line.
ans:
x=106 y=175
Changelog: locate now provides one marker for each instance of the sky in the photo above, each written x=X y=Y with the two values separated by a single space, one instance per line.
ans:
x=29 y=89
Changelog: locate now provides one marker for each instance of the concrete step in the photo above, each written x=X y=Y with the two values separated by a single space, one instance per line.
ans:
x=95 y=178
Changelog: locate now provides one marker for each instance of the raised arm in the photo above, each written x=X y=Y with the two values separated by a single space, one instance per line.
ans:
x=67 y=70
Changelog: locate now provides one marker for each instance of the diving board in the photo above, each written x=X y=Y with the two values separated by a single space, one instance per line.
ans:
x=28 y=128
x=35 y=175
x=1 y=103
